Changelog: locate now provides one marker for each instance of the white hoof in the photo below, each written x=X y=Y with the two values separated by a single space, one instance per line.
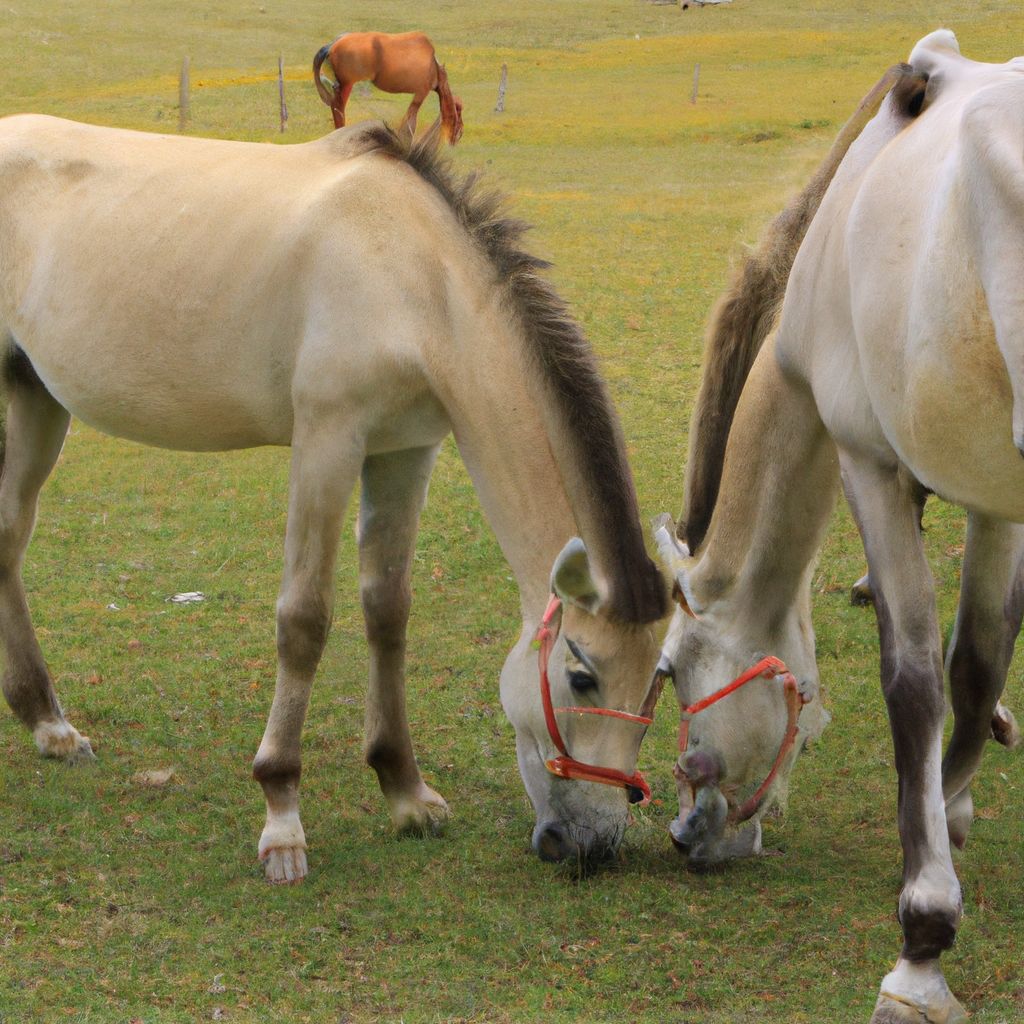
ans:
x=917 y=994
x=62 y=740
x=282 y=850
x=425 y=814
x=285 y=865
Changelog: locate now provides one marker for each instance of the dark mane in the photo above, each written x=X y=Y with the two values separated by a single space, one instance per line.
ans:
x=559 y=349
x=746 y=314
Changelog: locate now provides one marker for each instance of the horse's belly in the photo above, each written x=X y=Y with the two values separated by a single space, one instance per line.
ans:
x=185 y=415
x=950 y=423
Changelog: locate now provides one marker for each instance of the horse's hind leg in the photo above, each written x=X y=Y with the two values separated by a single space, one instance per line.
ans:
x=394 y=488
x=323 y=474
x=987 y=623
x=341 y=95
x=35 y=432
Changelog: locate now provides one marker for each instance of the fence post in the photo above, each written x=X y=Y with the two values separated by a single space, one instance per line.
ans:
x=502 y=84
x=280 y=89
x=184 y=114
x=696 y=79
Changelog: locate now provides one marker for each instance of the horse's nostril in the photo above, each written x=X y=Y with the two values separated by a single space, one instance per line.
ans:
x=551 y=842
x=635 y=794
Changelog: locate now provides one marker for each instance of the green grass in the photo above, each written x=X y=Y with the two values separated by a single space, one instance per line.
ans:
x=120 y=902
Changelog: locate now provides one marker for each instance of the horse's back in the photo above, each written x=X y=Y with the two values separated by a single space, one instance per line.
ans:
x=891 y=311
x=165 y=289
x=401 y=62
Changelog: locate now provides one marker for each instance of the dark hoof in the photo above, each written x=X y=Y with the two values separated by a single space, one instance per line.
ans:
x=861 y=594
x=1004 y=727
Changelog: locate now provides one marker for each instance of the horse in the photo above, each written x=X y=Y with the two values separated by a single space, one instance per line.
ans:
x=266 y=295
x=892 y=370
x=394 y=63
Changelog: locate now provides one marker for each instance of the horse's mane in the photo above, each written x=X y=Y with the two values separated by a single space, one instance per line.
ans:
x=747 y=312
x=557 y=346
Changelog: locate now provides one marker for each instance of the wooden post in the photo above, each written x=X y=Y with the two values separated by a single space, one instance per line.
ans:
x=184 y=114
x=280 y=90
x=499 y=107
x=696 y=80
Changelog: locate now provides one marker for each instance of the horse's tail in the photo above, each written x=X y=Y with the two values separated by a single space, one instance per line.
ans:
x=746 y=313
x=326 y=94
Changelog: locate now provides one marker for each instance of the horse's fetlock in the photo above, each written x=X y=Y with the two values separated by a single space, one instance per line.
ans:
x=277 y=769
x=382 y=754
x=929 y=925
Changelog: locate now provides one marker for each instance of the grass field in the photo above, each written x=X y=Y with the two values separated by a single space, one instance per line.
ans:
x=124 y=902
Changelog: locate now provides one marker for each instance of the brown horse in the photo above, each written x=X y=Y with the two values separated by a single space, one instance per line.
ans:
x=394 y=63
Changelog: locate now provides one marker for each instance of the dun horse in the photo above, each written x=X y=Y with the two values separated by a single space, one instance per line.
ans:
x=895 y=367
x=393 y=63
x=209 y=295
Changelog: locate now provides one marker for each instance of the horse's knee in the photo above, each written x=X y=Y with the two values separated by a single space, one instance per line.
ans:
x=303 y=622
x=386 y=603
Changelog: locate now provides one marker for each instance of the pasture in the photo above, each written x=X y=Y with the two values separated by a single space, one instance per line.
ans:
x=127 y=896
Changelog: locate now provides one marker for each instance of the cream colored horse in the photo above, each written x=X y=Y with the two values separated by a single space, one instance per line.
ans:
x=351 y=299
x=897 y=366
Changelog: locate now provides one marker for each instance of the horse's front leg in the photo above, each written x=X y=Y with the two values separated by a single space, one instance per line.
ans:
x=322 y=477
x=34 y=435
x=885 y=501
x=987 y=623
x=394 y=487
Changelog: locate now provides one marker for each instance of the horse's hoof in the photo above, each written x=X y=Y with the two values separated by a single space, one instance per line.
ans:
x=917 y=994
x=1004 y=727
x=63 y=741
x=893 y=1011
x=285 y=865
x=425 y=814
x=861 y=594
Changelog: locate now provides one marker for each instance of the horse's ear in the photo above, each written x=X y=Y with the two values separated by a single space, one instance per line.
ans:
x=674 y=553
x=676 y=556
x=571 y=579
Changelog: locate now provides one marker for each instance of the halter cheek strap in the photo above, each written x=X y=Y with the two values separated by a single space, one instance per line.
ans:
x=566 y=766
x=766 y=668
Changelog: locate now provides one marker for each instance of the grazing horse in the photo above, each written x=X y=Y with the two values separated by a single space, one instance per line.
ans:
x=894 y=368
x=393 y=63
x=209 y=295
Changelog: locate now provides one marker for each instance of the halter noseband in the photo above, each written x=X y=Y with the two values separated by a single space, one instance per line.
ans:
x=766 y=668
x=566 y=766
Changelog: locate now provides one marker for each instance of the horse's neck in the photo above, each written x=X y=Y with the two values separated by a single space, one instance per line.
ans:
x=779 y=486
x=519 y=457
x=502 y=439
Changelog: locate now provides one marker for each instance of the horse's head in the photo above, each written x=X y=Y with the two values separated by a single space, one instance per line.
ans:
x=753 y=733
x=451 y=108
x=577 y=748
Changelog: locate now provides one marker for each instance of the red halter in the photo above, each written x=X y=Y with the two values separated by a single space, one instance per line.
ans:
x=566 y=766
x=766 y=668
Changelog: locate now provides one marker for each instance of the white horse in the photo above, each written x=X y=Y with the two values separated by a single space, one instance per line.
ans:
x=897 y=366
x=352 y=299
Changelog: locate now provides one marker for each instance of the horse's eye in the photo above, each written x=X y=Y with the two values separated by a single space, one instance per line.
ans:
x=582 y=682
